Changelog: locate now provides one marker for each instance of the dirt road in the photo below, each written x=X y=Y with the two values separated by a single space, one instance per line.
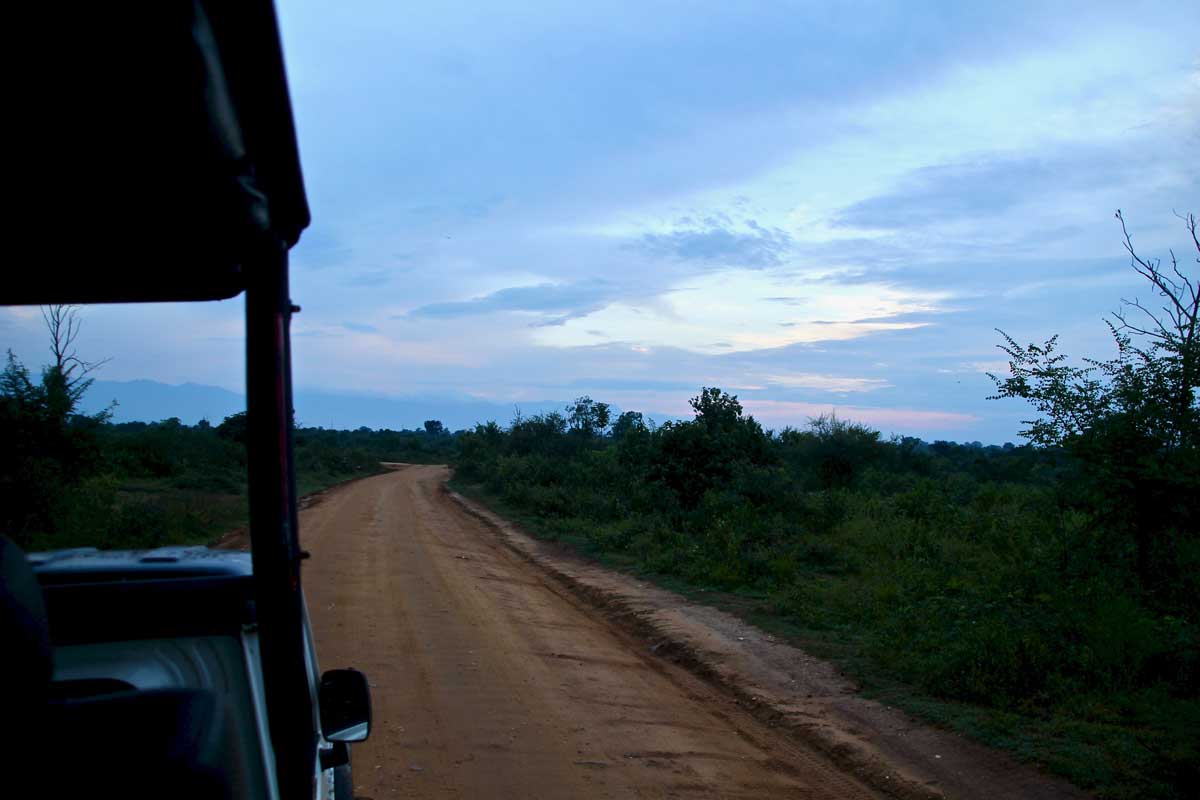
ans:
x=491 y=680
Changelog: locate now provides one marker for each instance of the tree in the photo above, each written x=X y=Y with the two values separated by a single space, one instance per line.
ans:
x=839 y=450
x=705 y=452
x=1152 y=380
x=1132 y=423
x=49 y=447
x=628 y=422
x=235 y=428
x=716 y=410
x=588 y=417
x=1168 y=366
x=16 y=389
x=434 y=427
x=540 y=433
x=66 y=378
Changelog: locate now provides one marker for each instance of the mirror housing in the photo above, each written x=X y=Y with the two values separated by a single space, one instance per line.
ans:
x=345 y=701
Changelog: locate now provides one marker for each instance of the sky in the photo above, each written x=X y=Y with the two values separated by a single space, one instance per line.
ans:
x=815 y=206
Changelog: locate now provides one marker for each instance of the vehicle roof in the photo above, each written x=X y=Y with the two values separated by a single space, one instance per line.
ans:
x=155 y=154
x=89 y=564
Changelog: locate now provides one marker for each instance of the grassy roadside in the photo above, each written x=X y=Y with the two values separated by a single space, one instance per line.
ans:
x=156 y=512
x=1123 y=745
x=144 y=485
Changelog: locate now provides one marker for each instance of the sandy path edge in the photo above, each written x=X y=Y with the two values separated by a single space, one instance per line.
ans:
x=787 y=688
x=491 y=679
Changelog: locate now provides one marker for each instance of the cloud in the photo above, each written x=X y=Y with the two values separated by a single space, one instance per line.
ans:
x=716 y=240
x=827 y=383
x=780 y=412
x=627 y=384
x=721 y=311
x=321 y=248
x=997 y=367
x=558 y=302
x=370 y=278
x=1091 y=279
x=989 y=186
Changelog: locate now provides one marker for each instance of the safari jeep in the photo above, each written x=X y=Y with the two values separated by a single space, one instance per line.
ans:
x=155 y=160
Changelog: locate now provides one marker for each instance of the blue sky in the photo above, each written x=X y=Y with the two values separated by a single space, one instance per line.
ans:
x=813 y=205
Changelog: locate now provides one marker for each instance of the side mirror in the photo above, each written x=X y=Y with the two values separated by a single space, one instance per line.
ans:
x=345 y=702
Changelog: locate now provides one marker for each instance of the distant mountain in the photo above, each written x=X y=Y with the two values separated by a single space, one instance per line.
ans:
x=151 y=401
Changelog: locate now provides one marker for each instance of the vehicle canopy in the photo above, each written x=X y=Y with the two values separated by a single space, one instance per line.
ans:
x=155 y=151
x=154 y=158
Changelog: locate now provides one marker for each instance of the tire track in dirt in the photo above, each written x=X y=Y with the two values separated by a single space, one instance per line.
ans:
x=491 y=679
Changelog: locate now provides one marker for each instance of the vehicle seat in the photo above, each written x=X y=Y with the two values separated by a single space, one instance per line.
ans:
x=160 y=742
x=25 y=635
x=147 y=743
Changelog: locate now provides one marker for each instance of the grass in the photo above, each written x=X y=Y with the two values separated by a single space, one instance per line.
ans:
x=140 y=513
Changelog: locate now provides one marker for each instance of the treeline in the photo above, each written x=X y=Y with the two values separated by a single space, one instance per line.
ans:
x=68 y=479
x=204 y=456
x=991 y=575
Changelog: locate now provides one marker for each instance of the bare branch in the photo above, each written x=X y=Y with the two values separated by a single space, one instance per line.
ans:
x=64 y=324
x=1151 y=271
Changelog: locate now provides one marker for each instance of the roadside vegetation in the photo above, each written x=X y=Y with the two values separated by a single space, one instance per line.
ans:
x=983 y=576
x=70 y=480
x=1041 y=597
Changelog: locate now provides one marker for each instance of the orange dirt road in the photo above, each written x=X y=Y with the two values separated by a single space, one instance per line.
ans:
x=491 y=681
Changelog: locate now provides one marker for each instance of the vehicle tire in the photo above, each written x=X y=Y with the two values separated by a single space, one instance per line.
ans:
x=343 y=783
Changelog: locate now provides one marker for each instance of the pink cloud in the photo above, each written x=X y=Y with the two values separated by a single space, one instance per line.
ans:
x=777 y=413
